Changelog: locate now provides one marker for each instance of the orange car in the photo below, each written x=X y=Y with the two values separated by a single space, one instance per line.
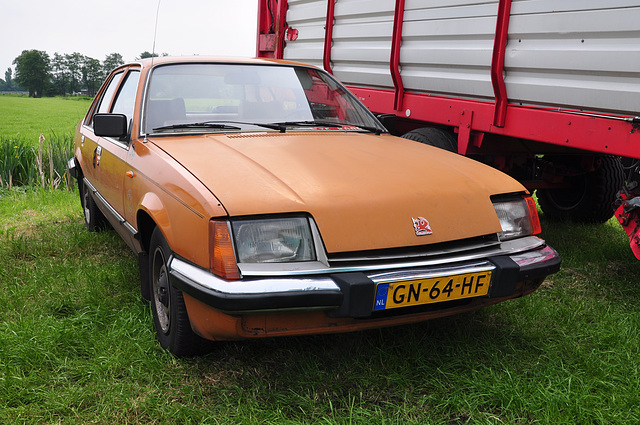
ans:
x=263 y=199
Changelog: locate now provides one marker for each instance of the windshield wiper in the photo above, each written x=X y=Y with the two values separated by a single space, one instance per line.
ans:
x=280 y=126
x=206 y=124
x=257 y=124
x=375 y=130
x=224 y=125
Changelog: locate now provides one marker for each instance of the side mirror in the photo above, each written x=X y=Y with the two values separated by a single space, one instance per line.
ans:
x=110 y=125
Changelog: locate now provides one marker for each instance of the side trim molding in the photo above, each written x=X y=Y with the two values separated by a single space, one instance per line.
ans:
x=98 y=197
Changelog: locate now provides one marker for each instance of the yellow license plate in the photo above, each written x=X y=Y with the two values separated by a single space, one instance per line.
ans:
x=431 y=290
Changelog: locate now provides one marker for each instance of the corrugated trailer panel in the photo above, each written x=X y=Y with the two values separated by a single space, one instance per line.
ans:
x=446 y=47
x=574 y=54
x=308 y=17
x=362 y=42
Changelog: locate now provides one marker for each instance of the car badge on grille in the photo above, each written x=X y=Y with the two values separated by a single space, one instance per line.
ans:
x=421 y=225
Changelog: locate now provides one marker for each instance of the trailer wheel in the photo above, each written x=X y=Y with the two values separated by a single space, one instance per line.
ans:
x=590 y=197
x=434 y=136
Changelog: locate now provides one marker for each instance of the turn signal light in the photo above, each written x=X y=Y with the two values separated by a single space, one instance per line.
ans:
x=222 y=256
x=533 y=214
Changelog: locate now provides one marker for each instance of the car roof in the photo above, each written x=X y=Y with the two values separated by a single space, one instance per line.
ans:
x=163 y=60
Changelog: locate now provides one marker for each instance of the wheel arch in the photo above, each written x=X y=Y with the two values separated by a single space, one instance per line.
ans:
x=151 y=213
x=146 y=225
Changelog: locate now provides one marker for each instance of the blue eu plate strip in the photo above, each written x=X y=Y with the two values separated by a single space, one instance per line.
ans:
x=381 y=297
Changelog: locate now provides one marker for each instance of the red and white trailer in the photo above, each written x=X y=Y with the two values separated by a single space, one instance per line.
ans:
x=546 y=91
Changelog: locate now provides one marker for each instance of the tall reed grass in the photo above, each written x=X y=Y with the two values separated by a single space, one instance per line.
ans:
x=25 y=163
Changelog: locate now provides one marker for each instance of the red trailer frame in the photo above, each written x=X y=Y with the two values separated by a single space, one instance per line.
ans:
x=498 y=129
x=472 y=119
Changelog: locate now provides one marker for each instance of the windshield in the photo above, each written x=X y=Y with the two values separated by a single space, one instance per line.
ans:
x=188 y=97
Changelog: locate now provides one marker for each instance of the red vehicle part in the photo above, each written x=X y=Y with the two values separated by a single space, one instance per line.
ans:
x=628 y=214
x=573 y=140
x=472 y=120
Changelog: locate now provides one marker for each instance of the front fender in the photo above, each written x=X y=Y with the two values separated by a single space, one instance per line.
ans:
x=186 y=232
x=152 y=206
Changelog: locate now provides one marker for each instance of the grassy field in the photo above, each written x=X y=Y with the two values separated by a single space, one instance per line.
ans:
x=36 y=137
x=77 y=344
x=26 y=118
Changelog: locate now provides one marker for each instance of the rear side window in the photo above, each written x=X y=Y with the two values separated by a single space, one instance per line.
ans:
x=125 y=101
x=105 y=102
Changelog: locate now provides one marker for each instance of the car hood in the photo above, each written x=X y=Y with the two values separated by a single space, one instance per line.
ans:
x=362 y=190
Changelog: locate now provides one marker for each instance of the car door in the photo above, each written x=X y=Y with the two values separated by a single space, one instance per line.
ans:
x=91 y=145
x=105 y=157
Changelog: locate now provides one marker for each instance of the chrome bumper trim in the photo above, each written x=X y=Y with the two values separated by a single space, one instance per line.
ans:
x=197 y=276
x=512 y=247
x=404 y=275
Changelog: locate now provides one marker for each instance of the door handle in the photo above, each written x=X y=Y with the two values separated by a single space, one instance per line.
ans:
x=96 y=156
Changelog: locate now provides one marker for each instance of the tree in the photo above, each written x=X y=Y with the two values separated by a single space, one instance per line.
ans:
x=8 y=80
x=75 y=65
x=9 y=84
x=33 y=71
x=92 y=75
x=75 y=73
x=59 y=77
x=146 y=55
x=111 y=62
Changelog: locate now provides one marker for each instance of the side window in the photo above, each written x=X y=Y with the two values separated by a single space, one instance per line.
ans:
x=105 y=102
x=125 y=100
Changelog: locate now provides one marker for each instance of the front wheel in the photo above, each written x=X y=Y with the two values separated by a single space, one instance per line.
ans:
x=589 y=197
x=170 y=318
x=94 y=220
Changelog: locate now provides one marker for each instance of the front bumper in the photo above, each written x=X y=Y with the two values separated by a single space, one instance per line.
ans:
x=350 y=293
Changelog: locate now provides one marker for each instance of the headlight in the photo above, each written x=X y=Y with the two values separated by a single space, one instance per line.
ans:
x=518 y=217
x=273 y=240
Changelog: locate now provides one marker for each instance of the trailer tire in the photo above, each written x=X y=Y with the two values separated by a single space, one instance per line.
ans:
x=434 y=136
x=590 y=198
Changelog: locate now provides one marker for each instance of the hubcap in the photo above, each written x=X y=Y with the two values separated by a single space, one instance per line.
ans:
x=571 y=197
x=161 y=296
x=85 y=205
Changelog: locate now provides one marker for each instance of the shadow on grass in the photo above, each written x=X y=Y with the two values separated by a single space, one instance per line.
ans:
x=425 y=366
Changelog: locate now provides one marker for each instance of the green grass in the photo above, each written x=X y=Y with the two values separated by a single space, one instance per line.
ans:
x=77 y=343
x=77 y=346
x=26 y=118
x=24 y=160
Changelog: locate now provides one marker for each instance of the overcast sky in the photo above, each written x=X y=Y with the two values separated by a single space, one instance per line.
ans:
x=96 y=28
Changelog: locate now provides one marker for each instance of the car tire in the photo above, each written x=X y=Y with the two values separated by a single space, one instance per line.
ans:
x=170 y=317
x=94 y=220
x=434 y=136
x=590 y=197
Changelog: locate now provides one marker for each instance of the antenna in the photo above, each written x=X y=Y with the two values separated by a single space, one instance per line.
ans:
x=153 y=54
x=155 y=32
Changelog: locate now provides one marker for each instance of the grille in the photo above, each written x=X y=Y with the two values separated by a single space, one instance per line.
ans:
x=473 y=246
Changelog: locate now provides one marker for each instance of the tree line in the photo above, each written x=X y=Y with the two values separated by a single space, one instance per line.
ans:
x=42 y=75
